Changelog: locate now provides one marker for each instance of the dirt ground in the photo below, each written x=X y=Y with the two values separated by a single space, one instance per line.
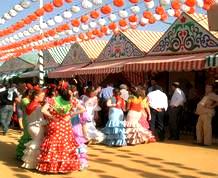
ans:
x=156 y=160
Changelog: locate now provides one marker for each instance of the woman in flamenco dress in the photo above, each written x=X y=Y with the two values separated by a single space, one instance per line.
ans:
x=136 y=133
x=58 y=151
x=25 y=137
x=115 y=128
x=35 y=128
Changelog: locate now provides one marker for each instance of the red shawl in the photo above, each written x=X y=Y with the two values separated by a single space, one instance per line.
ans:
x=31 y=107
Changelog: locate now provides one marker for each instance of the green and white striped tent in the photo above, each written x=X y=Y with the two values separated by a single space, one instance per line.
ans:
x=212 y=61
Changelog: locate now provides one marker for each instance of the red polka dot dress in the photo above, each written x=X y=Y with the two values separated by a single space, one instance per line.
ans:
x=58 y=149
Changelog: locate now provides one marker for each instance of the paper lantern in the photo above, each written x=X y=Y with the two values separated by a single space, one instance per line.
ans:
x=33 y=17
x=75 y=23
x=31 y=30
x=26 y=33
x=43 y=25
x=36 y=28
x=7 y=16
x=20 y=35
x=134 y=1
x=152 y=20
x=106 y=9
x=200 y=3
x=102 y=22
x=192 y=10
x=94 y=14
x=122 y=23
x=58 y=3
x=112 y=26
x=123 y=14
x=86 y=4
x=68 y=1
x=118 y=3
x=67 y=14
x=159 y=10
x=2 y=21
x=81 y=36
x=18 y=8
x=48 y=7
x=164 y=17
x=40 y=12
x=112 y=17
x=143 y=21
x=75 y=29
x=13 y=13
x=190 y=3
x=25 y=4
x=75 y=9
x=58 y=19
x=68 y=32
x=135 y=9
x=185 y=8
x=175 y=4
x=164 y=2
x=84 y=19
x=150 y=4
x=16 y=37
x=171 y=12
x=147 y=14
x=177 y=13
x=133 y=18
x=206 y=6
x=51 y=22
x=157 y=17
x=97 y=2
x=93 y=24
x=84 y=27
x=27 y=21
x=104 y=29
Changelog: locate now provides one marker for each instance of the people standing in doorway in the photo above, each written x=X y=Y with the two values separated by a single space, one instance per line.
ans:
x=205 y=110
x=175 y=111
x=158 y=106
x=154 y=85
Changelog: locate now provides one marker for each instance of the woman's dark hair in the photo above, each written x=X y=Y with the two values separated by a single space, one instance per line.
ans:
x=64 y=93
x=139 y=93
x=116 y=92
x=27 y=93
x=89 y=90
x=50 y=91
x=34 y=93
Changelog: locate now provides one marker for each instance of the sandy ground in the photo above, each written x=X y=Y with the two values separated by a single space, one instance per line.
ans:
x=161 y=160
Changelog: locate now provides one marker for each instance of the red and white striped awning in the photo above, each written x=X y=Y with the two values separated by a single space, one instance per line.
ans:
x=103 y=67
x=168 y=63
x=61 y=72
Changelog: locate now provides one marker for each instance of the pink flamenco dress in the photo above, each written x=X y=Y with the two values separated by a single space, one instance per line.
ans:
x=58 y=151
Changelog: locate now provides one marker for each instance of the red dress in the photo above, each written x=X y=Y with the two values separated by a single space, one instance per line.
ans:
x=58 y=149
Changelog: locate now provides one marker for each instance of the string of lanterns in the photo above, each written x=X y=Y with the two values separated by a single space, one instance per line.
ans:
x=86 y=25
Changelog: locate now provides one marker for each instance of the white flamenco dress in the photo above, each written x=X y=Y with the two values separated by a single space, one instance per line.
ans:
x=91 y=105
x=36 y=124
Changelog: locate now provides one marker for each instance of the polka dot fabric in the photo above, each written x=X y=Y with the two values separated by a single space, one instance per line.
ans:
x=58 y=149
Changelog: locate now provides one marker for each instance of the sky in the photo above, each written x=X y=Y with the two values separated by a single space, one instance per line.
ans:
x=9 y=4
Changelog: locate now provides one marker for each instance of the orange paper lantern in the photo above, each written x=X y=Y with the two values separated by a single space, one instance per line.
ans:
x=33 y=17
x=58 y=3
x=134 y=1
x=118 y=3
x=104 y=29
x=75 y=23
x=192 y=10
x=147 y=14
x=27 y=21
x=160 y=10
x=152 y=20
x=122 y=23
x=94 y=14
x=175 y=4
x=133 y=18
x=112 y=26
x=206 y=6
x=81 y=36
x=190 y=3
x=84 y=19
x=177 y=13
x=68 y=1
x=48 y=7
x=106 y=9
x=40 y=12
x=164 y=17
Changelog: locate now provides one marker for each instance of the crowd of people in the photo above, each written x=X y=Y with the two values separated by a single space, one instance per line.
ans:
x=58 y=123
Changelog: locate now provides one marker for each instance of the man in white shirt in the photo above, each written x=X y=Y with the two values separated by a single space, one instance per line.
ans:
x=158 y=103
x=175 y=111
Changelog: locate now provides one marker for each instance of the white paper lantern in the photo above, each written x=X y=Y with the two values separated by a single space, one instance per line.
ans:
x=84 y=27
x=16 y=37
x=144 y=21
x=75 y=29
x=133 y=23
x=31 y=30
x=75 y=9
x=135 y=9
x=20 y=34
x=12 y=40
x=109 y=32
x=93 y=24
x=124 y=28
x=97 y=2
x=185 y=8
x=87 y=4
x=7 y=40
x=171 y=12
x=164 y=2
x=18 y=8
x=13 y=13
x=157 y=17
x=2 y=21
x=102 y=22
x=68 y=32
x=51 y=22
x=123 y=14
x=25 y=4
x=150 y=4
x=7 y=16
x=200 y=3
x=36 y=28
x=43 y=25
x=67 y=14
x=26 y=33
x=58 y=19
x=112 y=17
x=45 y=40
x=50 y=38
